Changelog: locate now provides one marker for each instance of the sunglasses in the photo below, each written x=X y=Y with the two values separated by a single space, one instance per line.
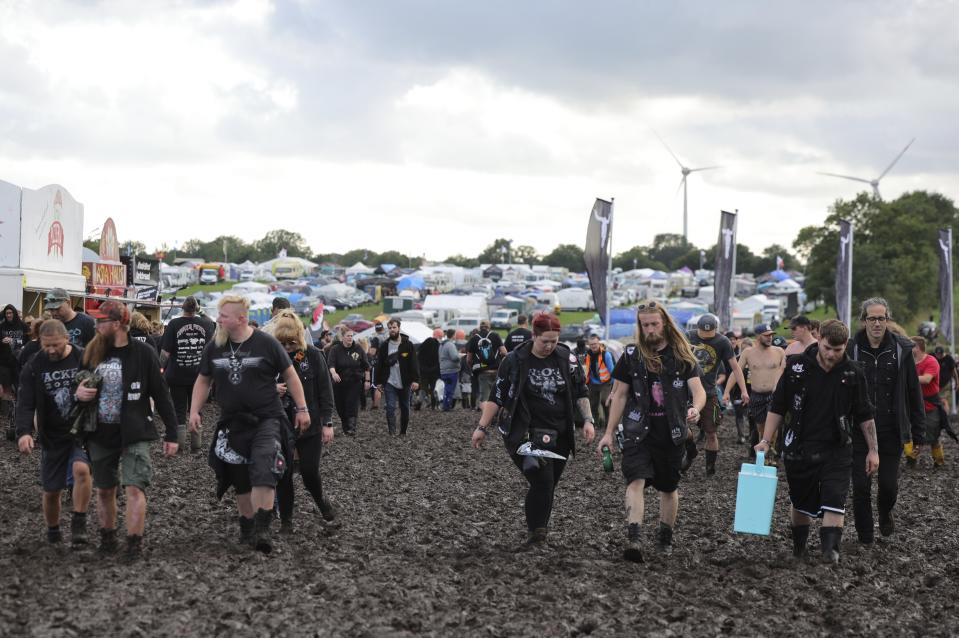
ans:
x=102 y=321
x=647 y=305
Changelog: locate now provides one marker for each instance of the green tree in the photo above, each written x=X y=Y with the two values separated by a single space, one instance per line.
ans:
x=525 y=255
x=566 y=256
x=273 y=242
x=367 y=257
x=669 y=249
x=769 y=254
x=462 y=260
x=496 y=252
x=636 y=257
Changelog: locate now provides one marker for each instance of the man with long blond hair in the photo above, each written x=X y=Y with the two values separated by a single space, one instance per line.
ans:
x=248 y=446
x=653 y=384
x=125 y=428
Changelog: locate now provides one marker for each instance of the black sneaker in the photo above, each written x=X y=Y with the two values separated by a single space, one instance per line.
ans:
x=54 y=536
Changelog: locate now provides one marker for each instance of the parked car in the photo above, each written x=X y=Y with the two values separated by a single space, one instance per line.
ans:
x=572 y=333
x=504 y=318
x=466 y=324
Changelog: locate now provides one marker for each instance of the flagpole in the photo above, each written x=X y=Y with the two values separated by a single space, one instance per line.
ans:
x=609 y=268
x=952 y=318
x=732 y=283
x=848 y=318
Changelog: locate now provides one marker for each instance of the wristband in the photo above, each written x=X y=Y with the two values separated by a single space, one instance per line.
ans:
x=303 y=409
x=764 y=441
x=482 y=428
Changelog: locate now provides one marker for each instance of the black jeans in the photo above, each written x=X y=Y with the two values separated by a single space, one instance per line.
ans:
x=542 y=488
x=346 y=397
x=182 y=396
x=890 y=451
x=310 y=450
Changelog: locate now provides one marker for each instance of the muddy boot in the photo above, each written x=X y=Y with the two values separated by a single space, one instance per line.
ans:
x=830 y=538
x=286 y=527
x=108 y=542
x=800 y=534
x=246 y=531
x=664 y=539
x=938 y=455
x=633 y=551
x=78 y=529
x=740 y=437
x=887 y=526
x=691 y=453
x=262 y=536
x=181 y=438
x=134 y=548
x=328 y=510
x=536 y=536
x=195 y=442
x=54 y=535
x=711 y=462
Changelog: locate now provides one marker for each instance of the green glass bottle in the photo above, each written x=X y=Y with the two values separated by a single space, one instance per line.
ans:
x=607 y=459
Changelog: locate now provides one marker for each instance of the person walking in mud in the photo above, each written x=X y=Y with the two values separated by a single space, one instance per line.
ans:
x=765 y=363
x=894 y=392
x=350 y=372
x=47 y=389
x=311 y=368
x=657 y=392
x=119 y=448
x=713 y=351
x=539 y=387
x=398 y=372
x=248 y=450
x=822 y=398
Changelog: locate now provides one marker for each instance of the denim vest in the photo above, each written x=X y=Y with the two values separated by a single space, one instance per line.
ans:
x=676 y=398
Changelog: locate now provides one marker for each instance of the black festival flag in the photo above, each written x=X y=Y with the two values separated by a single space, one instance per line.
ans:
x=596 y=253
x=946 y=308
x=725 y=269
x=844 y=273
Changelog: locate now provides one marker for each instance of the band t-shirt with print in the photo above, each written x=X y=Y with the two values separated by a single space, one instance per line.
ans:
x=110 y=397
x=244 y=375
x=545 y=394
x=711 y=354
x=81 y=329
x=185 y=338
x=57 y=380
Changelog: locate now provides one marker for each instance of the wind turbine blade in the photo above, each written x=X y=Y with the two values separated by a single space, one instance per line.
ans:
x=663 y=142
x=704 y=168
x=858 y=179
x=680 y=187
x=901 y=153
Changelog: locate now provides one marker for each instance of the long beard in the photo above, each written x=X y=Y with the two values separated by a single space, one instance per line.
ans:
x=655 y=340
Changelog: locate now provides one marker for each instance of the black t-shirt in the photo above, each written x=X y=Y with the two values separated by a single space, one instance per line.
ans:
x=56 y=379
x=659 y=431
x=185 y=338
x=110 y=397
x=350 y=363
x=245 y=374
x=485 y=350
x=517 y=337
x=712 y=354
x=143 y=337
x=947 y=366
x=545 y=394
x=81 y=329
x=16 y=332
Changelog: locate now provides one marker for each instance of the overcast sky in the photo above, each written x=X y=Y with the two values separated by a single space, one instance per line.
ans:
x=434 y=126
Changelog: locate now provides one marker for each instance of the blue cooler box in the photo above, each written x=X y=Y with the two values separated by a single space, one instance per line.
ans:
x=755 y=497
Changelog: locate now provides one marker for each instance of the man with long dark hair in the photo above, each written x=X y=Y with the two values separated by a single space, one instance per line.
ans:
x=654 y=383
x=120 y=446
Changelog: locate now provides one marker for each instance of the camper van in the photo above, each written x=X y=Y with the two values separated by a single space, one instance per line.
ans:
x=288 y=270
x=575 y=299
x=504 y=318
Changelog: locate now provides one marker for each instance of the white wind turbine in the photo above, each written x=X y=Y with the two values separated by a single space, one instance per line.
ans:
x=682 y=183
x=875 y=182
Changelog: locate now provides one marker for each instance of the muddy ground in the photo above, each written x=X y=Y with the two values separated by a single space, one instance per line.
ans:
x=430 y=542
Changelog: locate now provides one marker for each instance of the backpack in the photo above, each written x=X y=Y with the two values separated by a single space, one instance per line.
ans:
x=485 y=351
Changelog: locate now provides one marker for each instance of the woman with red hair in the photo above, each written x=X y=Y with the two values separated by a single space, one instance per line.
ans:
x=539 y=388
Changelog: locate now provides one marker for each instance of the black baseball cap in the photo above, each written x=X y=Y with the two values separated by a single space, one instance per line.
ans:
x=707 y=323
x=800 y=320
x=762 y=329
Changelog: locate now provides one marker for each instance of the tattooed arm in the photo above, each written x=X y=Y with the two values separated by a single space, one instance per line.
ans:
x=872 y=456
x=584 y=410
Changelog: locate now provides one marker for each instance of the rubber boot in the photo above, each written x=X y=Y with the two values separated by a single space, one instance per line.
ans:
x=108 y=541
x=938 y=455
x=327 y=509
x=830 y=538
x=262 y=536
x=909 y=451
x=800 y=534
x=181 y=438
x=195 y=442
x=664 y=539
x=711 y=462
x=633 y=551
x=246 y=531
x=78 y=529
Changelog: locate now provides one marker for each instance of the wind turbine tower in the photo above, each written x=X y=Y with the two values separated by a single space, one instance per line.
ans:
x=875 y=182
x=685 y=170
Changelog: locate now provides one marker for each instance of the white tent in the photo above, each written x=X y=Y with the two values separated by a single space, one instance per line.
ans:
x=417 y=332
x=359 y=268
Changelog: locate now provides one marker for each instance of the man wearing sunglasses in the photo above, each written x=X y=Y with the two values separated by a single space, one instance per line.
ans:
x=894 y=392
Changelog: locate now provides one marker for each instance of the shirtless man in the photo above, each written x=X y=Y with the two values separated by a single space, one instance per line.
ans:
x=765 y=363
x=803 y=337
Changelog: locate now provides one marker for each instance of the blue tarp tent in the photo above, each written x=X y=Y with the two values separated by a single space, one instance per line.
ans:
x=410 y=282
